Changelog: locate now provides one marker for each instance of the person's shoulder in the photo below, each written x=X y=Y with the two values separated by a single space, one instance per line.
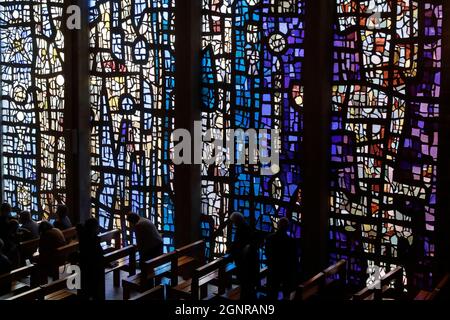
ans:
x=145 y=222
x=56 y=232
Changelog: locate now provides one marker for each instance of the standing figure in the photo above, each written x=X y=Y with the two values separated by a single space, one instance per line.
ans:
x=282 y=261
x=91 y=261
x=245 y=254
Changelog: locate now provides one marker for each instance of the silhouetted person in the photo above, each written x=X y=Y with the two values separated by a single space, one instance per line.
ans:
x=406 y=257
x=91 y=261
x=244 y=252
x=29 y=229
x=51 y=238
x=5 y=266
x=282 y=263
x=62 y=222
x=5 y=216
x=148 y=239
x=12 y=242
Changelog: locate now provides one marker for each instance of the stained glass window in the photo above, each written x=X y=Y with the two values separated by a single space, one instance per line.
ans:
x=132 y=106
x=387 y=60
x=251 y=78
x=32 y=84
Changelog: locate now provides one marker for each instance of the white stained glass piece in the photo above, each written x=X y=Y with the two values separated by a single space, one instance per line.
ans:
x=20 y=116
x=375 y=59
x=277 y=42
x=60 y=80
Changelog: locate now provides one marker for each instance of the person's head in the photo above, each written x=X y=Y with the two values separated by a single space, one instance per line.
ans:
x=91 y=227
x=5 y=209
x=44 y=226
x=61 y=211
x=25 y=217
x=237 y=219
x=133 y=218
x=283 y=224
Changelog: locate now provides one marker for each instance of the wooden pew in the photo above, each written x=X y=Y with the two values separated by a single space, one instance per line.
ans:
x=170 y=265
x=335 y=281
x=33 y=294
x=29 y=249
x=65 y=251
x=190 y=257
x=437 y=292
x=124 y=259
x=338 y=268
x=70 y=234
x=156 y=293
x=196 y=287
x=14 y=278
x=106 y=239
x=225 y=279
x=64 y=254
x=235 y=293
x=310 y=288
x=152 y=271
x=368 y=293
x=321 y=285
x=57 y=290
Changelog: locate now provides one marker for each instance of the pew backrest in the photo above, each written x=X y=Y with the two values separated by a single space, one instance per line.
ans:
x=108 y=236
x=208 y=273
x=122 y=253
x=195 y=250
x=338 y=268
x=54 y=286
x=33 y=294
x=66 y=252
x=28 y=248
x=20 y=273
x=311 y=287
x=337 y=273
x=189 y=258
x=165 y=264
x=70 y=234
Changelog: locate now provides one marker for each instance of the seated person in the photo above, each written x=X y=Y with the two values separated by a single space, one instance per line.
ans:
x=50 y=240
x=5 y=216
x=62 y=222
x=29 y=229
x=148 y=239
x=244 y=251
x=5 y=267
x=11 y=243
